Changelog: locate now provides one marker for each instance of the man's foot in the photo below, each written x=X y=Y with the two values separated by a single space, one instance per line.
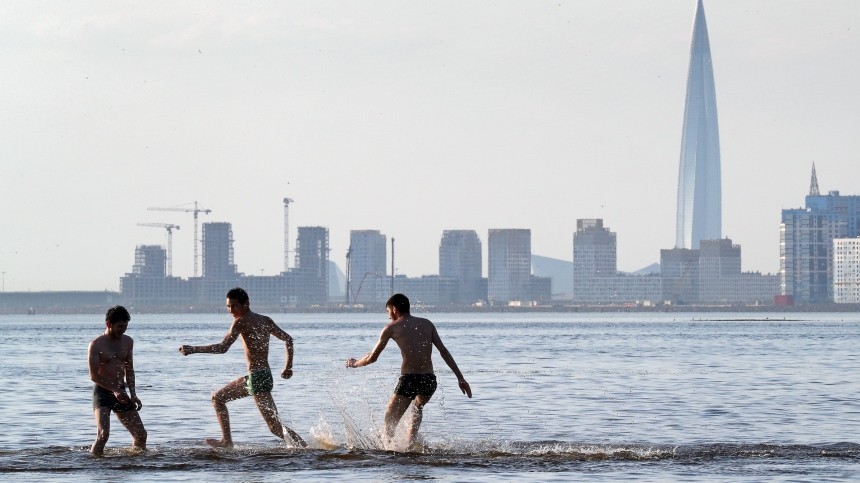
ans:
x=137 y=449
x=294 y=436
x=219 y=443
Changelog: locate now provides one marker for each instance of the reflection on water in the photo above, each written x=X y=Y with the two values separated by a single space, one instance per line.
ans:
x=607 y=396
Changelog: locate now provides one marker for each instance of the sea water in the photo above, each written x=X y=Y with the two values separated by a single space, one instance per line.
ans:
x=557 y=397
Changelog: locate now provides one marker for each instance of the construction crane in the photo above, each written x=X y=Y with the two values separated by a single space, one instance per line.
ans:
x=287 y=202
x=169 y=228
x=196 y=210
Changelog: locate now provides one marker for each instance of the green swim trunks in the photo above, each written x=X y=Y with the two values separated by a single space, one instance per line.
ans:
x=259 y=381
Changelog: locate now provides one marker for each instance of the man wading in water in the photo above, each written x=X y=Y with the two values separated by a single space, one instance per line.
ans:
x=416 y=337
x=112 y=370
x=255 y=330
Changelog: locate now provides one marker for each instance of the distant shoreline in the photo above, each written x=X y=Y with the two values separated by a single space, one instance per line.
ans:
x=560 y=308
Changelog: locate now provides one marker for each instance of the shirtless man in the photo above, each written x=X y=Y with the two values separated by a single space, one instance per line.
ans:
x=415 y=337
x=255 y=330
x=112 y=370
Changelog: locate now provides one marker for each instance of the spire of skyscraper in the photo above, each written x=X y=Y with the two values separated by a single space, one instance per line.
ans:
x=813 y=183
x=699 y=185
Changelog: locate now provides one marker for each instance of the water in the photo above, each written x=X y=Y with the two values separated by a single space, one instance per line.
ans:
x=557 y=397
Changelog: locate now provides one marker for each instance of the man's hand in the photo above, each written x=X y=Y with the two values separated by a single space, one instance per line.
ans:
x=350 y=362
x=185 y=350
x=137 y=404
x=464 y=386
x=288 y=373
x=121 y=397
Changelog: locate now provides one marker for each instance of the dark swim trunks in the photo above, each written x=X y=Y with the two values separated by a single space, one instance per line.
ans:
x=104 y=398
x=259 y=381
x=411 y=385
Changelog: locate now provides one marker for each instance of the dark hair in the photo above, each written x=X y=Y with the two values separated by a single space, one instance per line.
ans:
x=117 y=313
x=239 y=295
x=399 y=302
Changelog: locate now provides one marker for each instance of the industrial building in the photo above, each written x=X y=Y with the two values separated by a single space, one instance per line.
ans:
x=148 y=287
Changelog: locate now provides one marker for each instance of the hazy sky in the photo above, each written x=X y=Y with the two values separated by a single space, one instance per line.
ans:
x=407 y=117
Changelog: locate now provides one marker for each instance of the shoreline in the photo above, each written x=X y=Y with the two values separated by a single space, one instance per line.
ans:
x=555 y=308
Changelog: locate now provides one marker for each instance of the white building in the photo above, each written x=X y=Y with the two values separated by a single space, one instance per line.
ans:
x=846 y=270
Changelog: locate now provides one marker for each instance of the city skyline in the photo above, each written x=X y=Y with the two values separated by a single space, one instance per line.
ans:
x=406 y=118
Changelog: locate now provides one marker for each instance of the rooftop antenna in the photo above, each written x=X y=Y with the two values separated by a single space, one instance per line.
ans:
x=813 y=183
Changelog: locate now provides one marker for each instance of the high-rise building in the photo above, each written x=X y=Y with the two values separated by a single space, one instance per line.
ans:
x=806 y=243
x=699 y=214
x=719 y=269
x=149 y=261
x=311 y=270
x=594 y=250
x=509 y=253
x=366 y=270
x=846 y=270
x=460 y=259
x=594 y=256
x=147 y=284
x=679 y=270
x=218 y=251
x=595 y=274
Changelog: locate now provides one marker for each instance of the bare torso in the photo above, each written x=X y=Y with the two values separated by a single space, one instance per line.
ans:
x=414 y=337
x=111 y=356
x=255 y=329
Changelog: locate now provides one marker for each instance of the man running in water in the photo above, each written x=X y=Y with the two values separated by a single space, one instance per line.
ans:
x=416 y=337
x=255 y=330
x=112 y=370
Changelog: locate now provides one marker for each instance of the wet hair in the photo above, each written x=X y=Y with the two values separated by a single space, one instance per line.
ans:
x=239 y=295
x=399 y=302
x=117 y=313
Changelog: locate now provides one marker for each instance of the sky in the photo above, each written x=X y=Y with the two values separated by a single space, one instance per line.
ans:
x=406 y=117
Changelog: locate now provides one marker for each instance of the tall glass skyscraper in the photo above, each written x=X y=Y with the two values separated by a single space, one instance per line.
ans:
x=699 y=186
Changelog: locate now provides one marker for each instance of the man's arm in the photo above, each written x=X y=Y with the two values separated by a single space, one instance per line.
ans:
x=218 y=348
x=288 y=347
x=370 y=358
x=449 y=359
x=129 y=376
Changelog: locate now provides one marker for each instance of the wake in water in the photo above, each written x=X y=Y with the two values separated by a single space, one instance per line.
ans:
x=491 y=456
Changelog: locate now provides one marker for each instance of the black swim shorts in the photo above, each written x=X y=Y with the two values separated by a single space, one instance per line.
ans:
x=411 y=385
x=104 y=398
x=259 y=381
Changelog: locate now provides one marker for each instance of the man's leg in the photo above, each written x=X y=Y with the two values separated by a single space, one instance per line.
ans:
x=396 y=407
x=230 y=392
x=417 y=415
x=102 y=416
x=266 y=405
x=131 y=421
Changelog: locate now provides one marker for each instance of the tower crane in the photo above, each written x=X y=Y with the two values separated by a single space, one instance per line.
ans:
x=287 y=202
x=169 y=228
x=195 y=210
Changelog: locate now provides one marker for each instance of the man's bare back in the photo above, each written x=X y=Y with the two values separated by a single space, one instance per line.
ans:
x=414 y=336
